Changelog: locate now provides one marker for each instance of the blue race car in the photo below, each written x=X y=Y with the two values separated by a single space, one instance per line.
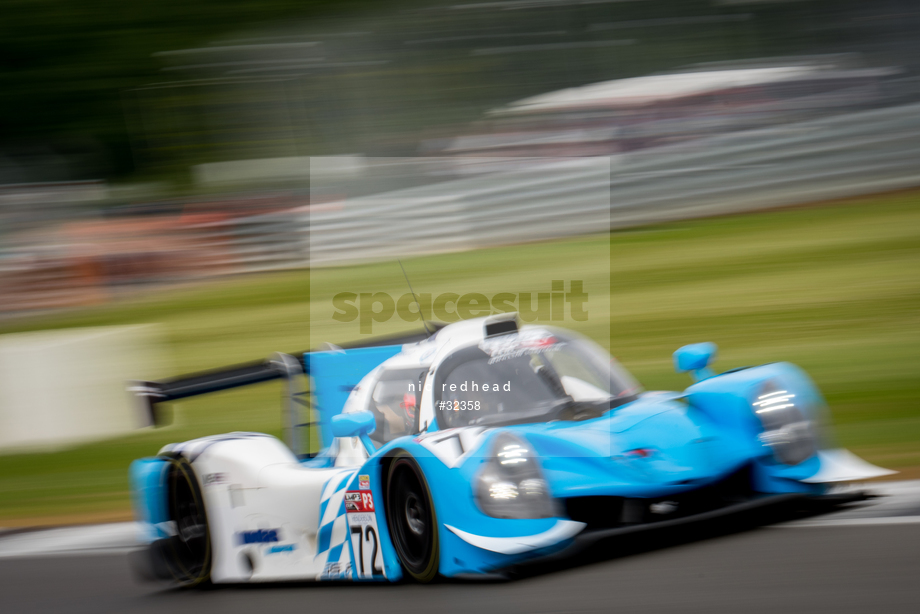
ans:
x=470 y=452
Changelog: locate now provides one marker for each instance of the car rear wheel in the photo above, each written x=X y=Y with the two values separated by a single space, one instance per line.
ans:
x=412 y=520
x=187 y=554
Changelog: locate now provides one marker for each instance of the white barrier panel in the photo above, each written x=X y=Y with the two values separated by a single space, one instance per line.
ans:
x=65 y=387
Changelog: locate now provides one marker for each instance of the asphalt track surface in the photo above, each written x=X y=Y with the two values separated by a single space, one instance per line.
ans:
x=865 y=559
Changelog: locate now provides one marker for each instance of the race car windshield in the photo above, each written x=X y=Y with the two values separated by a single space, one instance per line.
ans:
x=536 y=375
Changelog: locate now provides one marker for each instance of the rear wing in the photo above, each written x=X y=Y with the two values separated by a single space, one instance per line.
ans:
x=333 y=374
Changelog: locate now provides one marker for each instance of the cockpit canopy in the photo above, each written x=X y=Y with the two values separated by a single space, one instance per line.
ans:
x=535 y=375
x=395 y=402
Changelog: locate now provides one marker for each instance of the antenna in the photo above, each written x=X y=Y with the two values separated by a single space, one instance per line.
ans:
x=420 y=312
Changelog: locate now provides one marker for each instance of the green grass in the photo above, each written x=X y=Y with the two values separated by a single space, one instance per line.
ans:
x=834 y=289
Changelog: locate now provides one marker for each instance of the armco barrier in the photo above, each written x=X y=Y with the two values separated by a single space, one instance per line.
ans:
x=840 y=156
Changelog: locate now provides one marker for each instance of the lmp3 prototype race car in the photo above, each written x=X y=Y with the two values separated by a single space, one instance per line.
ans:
x=478 y=449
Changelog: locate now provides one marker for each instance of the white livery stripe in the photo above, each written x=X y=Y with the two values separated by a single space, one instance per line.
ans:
x=562 y=530
x=335 y=483
x=332 y=508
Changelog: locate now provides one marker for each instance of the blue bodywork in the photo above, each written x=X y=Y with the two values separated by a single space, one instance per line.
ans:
x=661 y=445
x=696 y=438
x=335 y=374
x=147 y=477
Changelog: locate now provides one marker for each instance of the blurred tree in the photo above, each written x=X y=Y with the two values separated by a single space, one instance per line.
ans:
x=63 y=64
x=71 y=72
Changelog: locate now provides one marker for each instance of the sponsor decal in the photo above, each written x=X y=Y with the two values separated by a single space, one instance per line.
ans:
x=280 y=548
x=359 y=501
x=364 y=482
x=261 y=536
x=365 y=539
x=211 y=479
x=352 y=501
x=525 y=343
x=332 y=569
x=336 y=571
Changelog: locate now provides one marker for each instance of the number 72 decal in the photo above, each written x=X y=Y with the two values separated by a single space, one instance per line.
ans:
x=365 y=538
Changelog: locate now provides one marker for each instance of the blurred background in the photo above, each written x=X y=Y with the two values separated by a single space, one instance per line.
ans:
x=183 y=184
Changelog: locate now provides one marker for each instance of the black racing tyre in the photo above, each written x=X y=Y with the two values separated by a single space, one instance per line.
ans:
x=187 y=554
x=411 y=519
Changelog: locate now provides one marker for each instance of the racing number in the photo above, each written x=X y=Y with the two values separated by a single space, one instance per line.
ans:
x=366 y=533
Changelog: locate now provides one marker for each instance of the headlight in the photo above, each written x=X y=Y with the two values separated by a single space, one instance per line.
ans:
x=786 y=430
x=512 y=485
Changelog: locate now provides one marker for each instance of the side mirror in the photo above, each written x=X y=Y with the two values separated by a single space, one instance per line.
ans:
x=696 y=358
x=357 y=424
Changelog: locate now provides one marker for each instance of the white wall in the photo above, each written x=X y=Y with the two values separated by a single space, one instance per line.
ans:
x=64 y=387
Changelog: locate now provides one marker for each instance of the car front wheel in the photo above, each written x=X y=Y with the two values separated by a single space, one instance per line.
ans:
x=411 y=519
